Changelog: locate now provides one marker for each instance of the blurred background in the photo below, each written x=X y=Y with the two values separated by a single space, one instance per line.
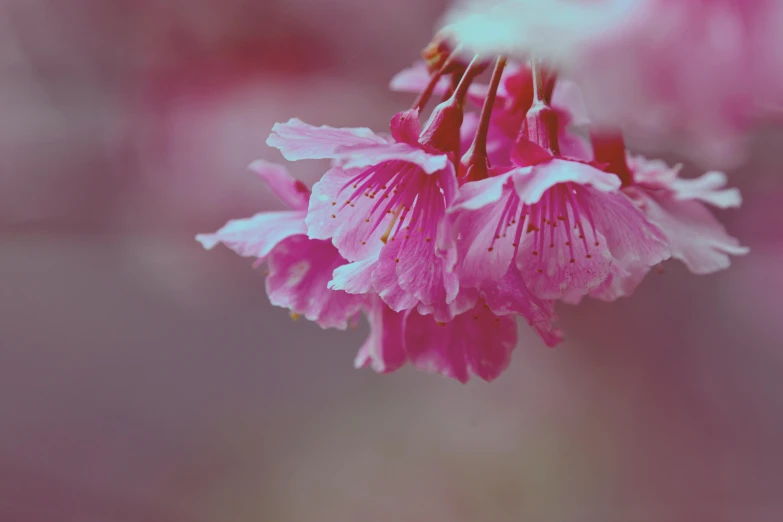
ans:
x=142 y=378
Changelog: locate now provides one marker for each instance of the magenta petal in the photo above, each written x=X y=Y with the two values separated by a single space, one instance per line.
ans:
x=622 y=282
x=431 y=347
x=291 y=191
x=346 y=221
x=299 y=270
x=474 y=341
x=525 y=153
x=387 y=283
x=421 y=271
x=384 y=349
x=414 y=79
x=377 y=154
x=709 y=188
x=696 y=237
x=511 y=295
x=444 y=312
x=629 y=235
x=553 y=274
x=354 y=278
x=297 y=140
x=258 y=235
x=532 y=182
x=477 y=194
x=489 y=341
x=483 y=255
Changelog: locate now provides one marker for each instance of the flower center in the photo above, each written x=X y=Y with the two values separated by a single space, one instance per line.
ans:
x=563 y=209
x=397 y=189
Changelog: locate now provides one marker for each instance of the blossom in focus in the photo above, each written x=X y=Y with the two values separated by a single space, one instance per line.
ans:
x=475 y=342
x=563 y=223
x=495 y=209
x=383 y=209
x=693 y=75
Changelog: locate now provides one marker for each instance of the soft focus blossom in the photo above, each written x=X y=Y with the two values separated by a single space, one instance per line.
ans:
x=679 y=208
x=688 y=74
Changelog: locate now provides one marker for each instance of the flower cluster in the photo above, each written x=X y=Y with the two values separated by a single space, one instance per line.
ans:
x=497 y=207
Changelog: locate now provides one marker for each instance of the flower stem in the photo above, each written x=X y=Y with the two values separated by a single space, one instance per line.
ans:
x=609 y=148
x=475 y=159
x=541 y=125
x=426 y=94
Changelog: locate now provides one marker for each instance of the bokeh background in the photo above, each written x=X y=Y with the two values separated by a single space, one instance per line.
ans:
x=143 y=379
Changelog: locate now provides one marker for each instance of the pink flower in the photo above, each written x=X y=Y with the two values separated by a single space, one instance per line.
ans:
x=298 y=268
x=689 y=74
x=679 y=208
x=476 y=342
x=563 y=223
x=383 y=208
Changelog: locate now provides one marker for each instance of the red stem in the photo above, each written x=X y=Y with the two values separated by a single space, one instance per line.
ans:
x=426 y=94
x=609 y=148
x=475 y=159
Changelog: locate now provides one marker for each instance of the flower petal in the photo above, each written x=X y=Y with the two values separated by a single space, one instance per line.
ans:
x=299 y=270
x=477 y=341
x=708 y=188
x=483 y=256
x=531 y=183
x=354 y=278
x=696 y=237
x=291 y=191
x=380 y=153
x=384 y=349
x=553 y=273
x=258 y=235
x=630 y=236
x=297 y=140
x=511 y=295
x=415 y=78
x=332 y=215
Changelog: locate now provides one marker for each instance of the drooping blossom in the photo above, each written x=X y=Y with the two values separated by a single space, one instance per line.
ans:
x=444 y=235
x=476 y=342
x=678 y=207
x=694 y=75
x=298 y=268
x=383 y=208
x=561 y=222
